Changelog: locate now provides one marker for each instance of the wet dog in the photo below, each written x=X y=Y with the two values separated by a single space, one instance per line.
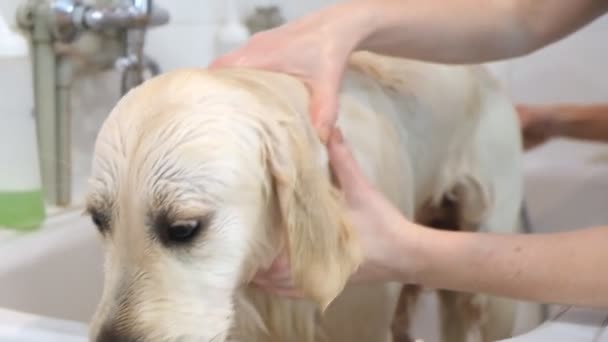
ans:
x=200 y=177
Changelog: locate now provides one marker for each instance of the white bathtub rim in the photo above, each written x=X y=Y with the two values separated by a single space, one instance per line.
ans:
x=56 y=233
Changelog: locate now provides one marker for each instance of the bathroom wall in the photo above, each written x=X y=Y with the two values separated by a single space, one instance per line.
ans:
x=567 y=184
x=186 y=42
x=566 y=181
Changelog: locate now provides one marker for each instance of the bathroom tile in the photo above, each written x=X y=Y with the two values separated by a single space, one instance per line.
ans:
x=212 y=12
x=8 y=9
x=565 y=71
x=93 y=97
x=192 y=12
x=289 y=9
x=181 y=46
x=295 y=9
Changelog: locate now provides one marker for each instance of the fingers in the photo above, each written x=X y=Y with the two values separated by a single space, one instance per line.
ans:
x=531 y=141
x=346 y=169
x=526 y=115
x=234 y=59
x=245 y=56
x=523 y=115
x=537 y=124
x=324 y=110
x=277 y=279
x=530 y=114
x=325 y=86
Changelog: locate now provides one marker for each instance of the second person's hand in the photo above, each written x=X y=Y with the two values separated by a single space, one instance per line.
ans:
x=538 y=124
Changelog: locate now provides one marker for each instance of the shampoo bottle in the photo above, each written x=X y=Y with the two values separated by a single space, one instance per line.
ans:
x=21 y=199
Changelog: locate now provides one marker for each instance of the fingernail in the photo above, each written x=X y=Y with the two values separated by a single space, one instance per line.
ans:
x=324 y=134
x=338 y=135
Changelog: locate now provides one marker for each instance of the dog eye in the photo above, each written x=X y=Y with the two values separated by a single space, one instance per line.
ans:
x=99 y=220
x=96 y=220
x=184 y=231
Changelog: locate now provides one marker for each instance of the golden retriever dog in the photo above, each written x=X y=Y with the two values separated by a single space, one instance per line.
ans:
x=201 y=177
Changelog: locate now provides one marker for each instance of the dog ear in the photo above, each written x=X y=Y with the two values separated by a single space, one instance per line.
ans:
x=322 y=246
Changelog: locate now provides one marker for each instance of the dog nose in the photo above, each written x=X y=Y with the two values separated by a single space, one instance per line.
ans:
x=109 y=334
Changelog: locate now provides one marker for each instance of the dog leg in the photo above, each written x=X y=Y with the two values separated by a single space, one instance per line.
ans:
x=440 y=217
x=462 y=317
x=460 y=313
x=403 y=314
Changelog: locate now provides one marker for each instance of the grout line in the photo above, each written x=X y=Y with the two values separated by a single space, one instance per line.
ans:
x=561 y=313
x=601 y=331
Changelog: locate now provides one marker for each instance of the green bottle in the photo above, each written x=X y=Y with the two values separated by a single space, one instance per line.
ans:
x=22 y=210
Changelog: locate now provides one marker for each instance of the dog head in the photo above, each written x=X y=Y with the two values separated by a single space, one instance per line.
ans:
x=198 y=179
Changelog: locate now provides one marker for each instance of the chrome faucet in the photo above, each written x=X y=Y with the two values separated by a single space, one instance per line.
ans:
x=71 y=17
x=132 y=64
x=120 y=23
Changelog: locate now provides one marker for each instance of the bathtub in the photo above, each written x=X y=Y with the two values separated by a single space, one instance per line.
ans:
x=55 y=274
x=55 y=271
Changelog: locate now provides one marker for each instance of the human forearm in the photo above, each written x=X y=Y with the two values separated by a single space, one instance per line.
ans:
x=564 y=268
x=586 y=122
x=463 y=31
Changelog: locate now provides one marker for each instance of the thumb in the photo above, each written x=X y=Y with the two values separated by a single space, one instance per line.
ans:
x=525 y=115
x=346 y=170
x=222 y=61
x=236 y=59
x=324 y=109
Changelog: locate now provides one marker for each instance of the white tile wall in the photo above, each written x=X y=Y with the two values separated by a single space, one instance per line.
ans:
x=571 y=70
x=186 y=42
x=566 y=181
x=8 y=9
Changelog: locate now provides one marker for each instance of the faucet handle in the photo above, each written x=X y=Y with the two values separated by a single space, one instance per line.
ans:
x=135 y=71
x=64 y=18
x=124 y=63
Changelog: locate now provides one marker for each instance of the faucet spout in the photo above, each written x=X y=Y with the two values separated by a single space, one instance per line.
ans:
x=134 y=63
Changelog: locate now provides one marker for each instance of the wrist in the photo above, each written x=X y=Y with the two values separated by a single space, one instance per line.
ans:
x=384 y=26
x=408 y=257
x=566 y=117
x=354 y=21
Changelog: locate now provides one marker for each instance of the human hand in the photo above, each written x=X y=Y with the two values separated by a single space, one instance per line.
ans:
x=314 y=49
x=538 y=124
x=387 y=239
